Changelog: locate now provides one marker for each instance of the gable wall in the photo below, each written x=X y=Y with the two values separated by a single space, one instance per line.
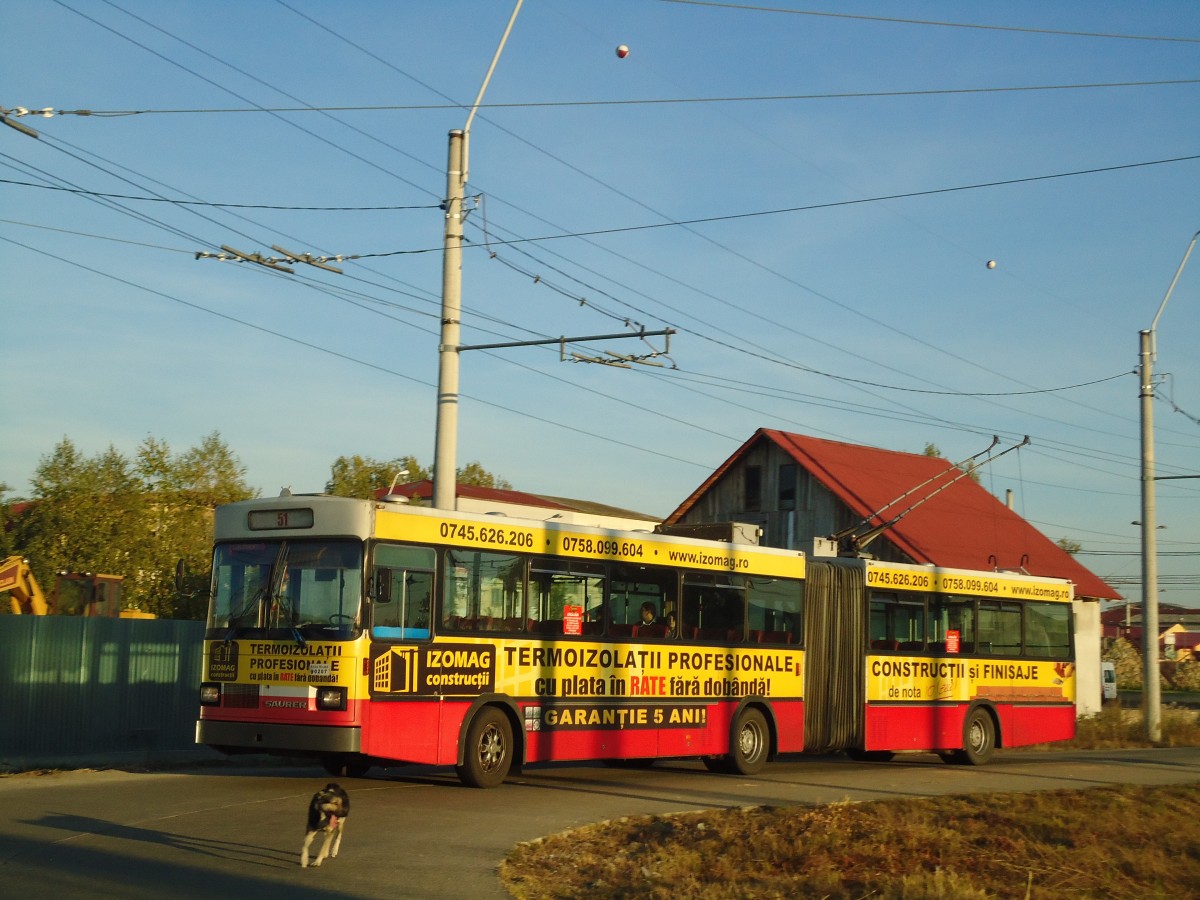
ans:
x=816 y=513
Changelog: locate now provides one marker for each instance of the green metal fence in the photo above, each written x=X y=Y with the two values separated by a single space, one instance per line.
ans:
x=91 y=689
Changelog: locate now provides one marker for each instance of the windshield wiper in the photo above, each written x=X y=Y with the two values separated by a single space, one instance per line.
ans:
x=278 y=577
x=271 y=590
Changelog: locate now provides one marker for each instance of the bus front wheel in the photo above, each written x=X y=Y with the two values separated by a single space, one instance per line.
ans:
x=489 y=749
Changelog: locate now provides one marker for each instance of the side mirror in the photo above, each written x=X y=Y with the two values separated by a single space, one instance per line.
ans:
x=382 y=587
x=180 y=572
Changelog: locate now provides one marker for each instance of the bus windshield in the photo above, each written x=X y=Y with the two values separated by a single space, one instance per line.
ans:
x=287 y=589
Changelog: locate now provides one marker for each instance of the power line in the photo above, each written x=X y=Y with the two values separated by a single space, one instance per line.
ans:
x=877 y=199
x=540 y=149
x=177 y=202
x=1024 y=30
x=49 y=112
x=359 y=361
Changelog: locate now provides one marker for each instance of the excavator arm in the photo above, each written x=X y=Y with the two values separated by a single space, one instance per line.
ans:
x=25 y=595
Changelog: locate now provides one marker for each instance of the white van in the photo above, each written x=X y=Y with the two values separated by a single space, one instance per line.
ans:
x=1108 y=680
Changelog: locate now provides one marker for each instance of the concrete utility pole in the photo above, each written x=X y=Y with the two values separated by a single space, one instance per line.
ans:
x=446 y=439
x=1151 y=688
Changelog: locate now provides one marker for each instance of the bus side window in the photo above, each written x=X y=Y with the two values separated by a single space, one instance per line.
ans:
x=555 y=584
x=1048 y=630
x=630 y=588
x=999 y=628
x=775 y=610
x=714 y=607
x=403 y=592
x=951 y=618
x=482 y=590
x=897 y=621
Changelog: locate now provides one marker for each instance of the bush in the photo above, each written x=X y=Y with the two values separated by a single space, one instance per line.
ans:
x=1128 y=663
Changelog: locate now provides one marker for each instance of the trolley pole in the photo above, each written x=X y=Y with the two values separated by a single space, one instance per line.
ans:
x=446 y=438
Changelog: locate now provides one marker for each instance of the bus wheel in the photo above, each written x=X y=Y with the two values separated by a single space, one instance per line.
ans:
x=979 y=739
x=489 y=749
x=751 y=742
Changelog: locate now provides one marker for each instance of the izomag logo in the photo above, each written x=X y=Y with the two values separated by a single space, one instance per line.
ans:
x=458 y=669
x=443 y=669
x=395 y=671
x=223 y=661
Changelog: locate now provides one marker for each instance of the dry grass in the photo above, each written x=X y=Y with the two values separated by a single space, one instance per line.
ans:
x=1115 y=727
x=1131 y=842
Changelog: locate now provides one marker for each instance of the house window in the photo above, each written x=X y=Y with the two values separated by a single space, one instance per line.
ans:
x=752 y=482
x=787 y=486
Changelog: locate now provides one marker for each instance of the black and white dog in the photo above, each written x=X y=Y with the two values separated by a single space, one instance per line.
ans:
x=327 y=813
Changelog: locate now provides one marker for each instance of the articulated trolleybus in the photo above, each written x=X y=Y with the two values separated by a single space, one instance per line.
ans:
x=365 y=633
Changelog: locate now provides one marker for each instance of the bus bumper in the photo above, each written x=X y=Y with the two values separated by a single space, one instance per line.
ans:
x=265 y=737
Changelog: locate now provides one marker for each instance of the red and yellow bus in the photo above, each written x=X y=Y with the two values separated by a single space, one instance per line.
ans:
x=365 y=633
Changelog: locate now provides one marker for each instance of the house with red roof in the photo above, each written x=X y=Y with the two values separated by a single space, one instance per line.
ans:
x=798 y=488
x=902 y=507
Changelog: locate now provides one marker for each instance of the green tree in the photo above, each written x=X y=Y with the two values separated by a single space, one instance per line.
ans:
x=476 y=474
x=86 y=514
x=184 y=491
x=7 y=545
x=931 y=449
x=362 y=476
x=1069 y=545
x=135 y=518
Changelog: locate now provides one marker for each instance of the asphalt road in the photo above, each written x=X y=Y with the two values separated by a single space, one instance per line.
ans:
x=236 y=831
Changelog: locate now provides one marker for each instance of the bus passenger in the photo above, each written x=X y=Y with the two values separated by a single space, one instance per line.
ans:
x=649 y=613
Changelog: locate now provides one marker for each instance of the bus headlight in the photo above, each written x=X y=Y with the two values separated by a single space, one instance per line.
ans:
x=331 y=698
x=210 y=693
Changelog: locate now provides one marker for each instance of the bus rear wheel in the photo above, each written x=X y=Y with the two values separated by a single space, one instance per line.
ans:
x=489 y=749
x=979 y=740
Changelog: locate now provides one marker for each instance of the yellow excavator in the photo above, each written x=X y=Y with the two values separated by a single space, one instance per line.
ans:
x=75 y=593
x=25 y=594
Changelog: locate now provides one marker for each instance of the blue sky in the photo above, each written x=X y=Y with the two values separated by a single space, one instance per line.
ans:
x=822 y=257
